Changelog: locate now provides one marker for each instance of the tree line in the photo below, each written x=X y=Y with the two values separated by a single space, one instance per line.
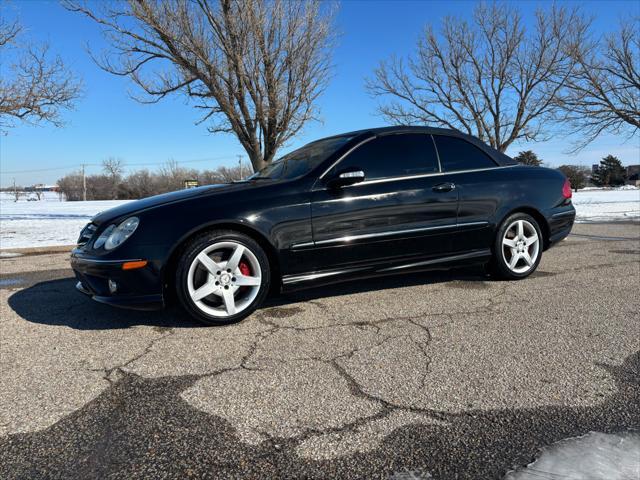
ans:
x=256 y=68
x=114 y=184
x=608 y=173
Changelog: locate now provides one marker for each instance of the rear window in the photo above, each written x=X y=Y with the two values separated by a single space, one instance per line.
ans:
x=394 y=156
x=458 y=154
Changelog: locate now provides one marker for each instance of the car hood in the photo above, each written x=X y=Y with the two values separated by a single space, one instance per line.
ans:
x=135 y=206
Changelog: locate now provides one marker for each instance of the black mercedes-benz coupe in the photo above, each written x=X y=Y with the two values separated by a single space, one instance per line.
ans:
x=371 y=202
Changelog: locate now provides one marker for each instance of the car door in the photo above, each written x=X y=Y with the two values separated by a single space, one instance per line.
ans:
x=403 y=208
x=479 y=186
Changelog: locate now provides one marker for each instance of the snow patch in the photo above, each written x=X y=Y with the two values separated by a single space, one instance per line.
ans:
x=51 y=222
x=607 y=204
x=595 y=456
x=47 y=222
x=10 y=254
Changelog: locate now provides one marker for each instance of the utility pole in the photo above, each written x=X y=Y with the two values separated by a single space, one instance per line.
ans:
x=15 y=192
x=240 y=164
x=84 y=184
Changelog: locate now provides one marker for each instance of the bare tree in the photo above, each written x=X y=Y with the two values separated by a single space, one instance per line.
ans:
x=604 y=90
x=255 y=67
x=33 y=88
x=140 y=184
x=228 y=174
x=70 y=186
x=576 y=174
x=490 y=78
x=114 y=168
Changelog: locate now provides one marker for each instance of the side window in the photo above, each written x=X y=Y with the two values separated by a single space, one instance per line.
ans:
x=458 y=154
x=393 y=156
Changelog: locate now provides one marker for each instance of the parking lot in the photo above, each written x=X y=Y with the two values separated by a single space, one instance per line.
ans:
x=436 y=375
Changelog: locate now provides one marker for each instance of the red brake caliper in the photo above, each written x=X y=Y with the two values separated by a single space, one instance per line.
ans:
x=244 y=269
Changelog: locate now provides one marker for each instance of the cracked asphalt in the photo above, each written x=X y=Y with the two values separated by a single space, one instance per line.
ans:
x=435 y=375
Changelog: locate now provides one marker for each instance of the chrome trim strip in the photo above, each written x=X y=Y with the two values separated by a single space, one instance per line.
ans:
x=463 y=256
x=296 y=246
x=425 y=175
x=103 y=262
x=369 y=269
x=314 y=276
x=472 y=224
x=350 y=238
x=563 y=214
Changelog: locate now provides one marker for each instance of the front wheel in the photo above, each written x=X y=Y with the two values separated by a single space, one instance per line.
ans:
x=222 y=277
x=517 y=247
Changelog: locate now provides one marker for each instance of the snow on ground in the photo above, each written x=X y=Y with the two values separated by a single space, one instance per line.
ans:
x=45 y=223
x=595 y=456
x=50 y=222
x=607 y=204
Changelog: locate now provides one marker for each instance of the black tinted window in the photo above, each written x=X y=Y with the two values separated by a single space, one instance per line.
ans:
x=458 y=154
x=302 y=160
x=393 y=156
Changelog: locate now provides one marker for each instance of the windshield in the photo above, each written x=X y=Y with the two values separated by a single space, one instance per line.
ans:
x=301 y=161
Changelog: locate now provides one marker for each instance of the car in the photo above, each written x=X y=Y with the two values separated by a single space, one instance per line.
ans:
x=381 y=201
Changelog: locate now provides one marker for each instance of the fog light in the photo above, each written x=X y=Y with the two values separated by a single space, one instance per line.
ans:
x=113 y=286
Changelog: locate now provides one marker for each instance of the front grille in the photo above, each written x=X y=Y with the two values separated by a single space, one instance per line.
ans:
x=86 y=234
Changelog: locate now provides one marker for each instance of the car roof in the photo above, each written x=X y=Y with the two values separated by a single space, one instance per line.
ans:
x=402 y=128
x=499 y=157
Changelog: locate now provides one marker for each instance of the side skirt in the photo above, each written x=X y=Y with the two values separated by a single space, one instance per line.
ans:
x=313 y=279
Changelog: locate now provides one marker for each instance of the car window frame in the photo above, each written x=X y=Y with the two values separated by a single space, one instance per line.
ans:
x=346 y=155
x=320 y=182
x=442 y=170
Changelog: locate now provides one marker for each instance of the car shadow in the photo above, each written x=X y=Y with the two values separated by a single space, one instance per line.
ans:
x=140 y=426
x=56 y=302
x=474 y=277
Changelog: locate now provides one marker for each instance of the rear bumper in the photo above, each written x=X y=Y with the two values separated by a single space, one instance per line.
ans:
x=560 y=223
x=138 y=289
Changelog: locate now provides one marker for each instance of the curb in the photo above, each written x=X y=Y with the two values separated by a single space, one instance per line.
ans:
x=36 y=250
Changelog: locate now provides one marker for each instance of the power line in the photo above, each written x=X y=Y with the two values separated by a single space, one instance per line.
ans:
x=144 y=164
x=46 y=169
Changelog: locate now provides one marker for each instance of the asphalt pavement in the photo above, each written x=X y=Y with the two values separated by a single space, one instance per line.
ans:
x=431 y=375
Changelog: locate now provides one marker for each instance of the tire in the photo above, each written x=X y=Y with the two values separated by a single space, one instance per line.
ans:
x=525 y=243
x=222 y=277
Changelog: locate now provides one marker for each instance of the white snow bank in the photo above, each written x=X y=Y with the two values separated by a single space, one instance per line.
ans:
x=50 y=222
x=607 y=204
x=595 y=456
x=47 y=222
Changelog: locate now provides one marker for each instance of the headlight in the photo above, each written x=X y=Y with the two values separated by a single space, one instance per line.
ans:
x=114 y=236
x=103 y=238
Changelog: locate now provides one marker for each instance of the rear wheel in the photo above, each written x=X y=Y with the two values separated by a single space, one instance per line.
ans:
x=222 y=277
x=518 y=247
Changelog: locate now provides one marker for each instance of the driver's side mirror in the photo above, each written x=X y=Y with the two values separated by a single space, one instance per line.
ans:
x=346 y=177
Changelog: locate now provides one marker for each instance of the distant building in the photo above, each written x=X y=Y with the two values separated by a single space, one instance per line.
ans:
x=633 y=175
x=41 y=187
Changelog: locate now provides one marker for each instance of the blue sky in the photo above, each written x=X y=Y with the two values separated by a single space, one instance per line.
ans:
x=107 y=122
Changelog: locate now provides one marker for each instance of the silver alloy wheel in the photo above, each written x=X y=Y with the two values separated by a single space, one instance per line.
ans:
x=520 y=246
x=216 y=283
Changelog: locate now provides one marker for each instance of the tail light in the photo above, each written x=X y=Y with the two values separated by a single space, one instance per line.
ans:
x=566 y=189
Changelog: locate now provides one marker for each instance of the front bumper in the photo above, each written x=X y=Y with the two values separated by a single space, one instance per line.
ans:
x=138 y=289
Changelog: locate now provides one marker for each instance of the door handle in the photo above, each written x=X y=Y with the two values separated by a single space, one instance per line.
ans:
x=444 y=187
